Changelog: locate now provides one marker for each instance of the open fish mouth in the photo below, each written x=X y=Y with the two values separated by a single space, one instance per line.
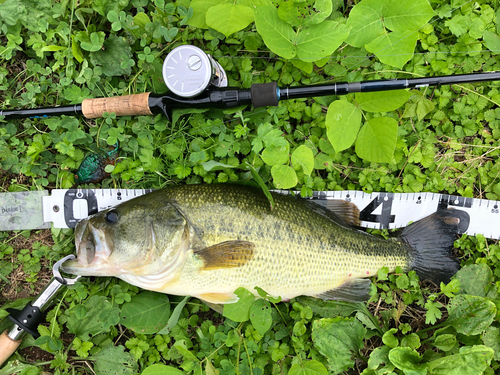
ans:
x=92 y=252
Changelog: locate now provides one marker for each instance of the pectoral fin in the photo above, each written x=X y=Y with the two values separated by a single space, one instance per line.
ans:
x=227 y=254
x=357 y=290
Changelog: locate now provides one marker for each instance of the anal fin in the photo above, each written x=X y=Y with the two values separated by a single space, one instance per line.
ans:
x=218 y=298
x=227 y=254
x=215 y=306
x=356 y=290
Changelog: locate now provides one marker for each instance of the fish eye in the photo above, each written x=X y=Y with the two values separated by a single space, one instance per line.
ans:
x=111 y=216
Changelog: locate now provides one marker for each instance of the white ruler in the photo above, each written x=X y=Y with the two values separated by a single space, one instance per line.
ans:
x=377 y=210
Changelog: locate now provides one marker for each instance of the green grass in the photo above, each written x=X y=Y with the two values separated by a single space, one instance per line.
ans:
x=446 y=140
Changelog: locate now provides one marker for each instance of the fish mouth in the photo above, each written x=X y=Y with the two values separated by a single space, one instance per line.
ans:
x=93 y=249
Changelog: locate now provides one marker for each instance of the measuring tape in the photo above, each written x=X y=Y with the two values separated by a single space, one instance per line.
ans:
x=64 y=208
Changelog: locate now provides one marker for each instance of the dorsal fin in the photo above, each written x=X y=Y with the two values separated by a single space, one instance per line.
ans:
x=340 y=211
x=347 y=211
x=227 y=254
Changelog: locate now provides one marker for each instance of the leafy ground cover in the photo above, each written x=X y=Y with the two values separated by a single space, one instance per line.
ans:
x=443 y=139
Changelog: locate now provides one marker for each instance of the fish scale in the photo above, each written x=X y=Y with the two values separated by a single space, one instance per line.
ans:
x=208 y=240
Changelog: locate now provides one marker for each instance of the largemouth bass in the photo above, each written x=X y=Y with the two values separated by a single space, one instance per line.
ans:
x=207 y=240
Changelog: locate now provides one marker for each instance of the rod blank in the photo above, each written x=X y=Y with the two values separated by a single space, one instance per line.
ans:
x=260 y=95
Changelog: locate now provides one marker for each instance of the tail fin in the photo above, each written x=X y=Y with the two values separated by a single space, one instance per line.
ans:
x=431 y=240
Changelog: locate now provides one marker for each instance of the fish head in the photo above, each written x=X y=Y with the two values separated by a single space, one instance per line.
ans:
x=135 y=238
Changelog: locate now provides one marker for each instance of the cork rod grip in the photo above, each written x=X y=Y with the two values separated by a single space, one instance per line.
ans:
x=7 y=347
x=128 y=105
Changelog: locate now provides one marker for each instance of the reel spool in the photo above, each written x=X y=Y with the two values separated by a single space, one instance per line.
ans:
x=188 y=71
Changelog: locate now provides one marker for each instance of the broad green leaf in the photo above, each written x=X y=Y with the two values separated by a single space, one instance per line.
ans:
x=379 y=357
x=491 y=338
x=308 y=368
x=300 y=13
x=376 y=140
x=395 y=48
x=470 y=315
x=303 y=65
x=343 y=120
x=330 y=308
x=115 y=52
x=254 y=3
x=402 y=15
x=113 y=360
x=210 y=369
x=159 y=369
x=319 y=41
x=98 y=316
x=470 y=360
x=411 y=341
x=240 y=311
x=200 y=8
x=475 y=279
x=445 y=342
x=492 y=40
x=365 y=22
x=147 y=312
x=337 y=339
x=141 y=19
x=276 y=155
x=326 y=146
x=303 y=158
x=389 y=339
x=322 y=161
x=278 y=36
x=424 y=106
x=260 y=316
x=384 y=101
x=407 y=360
x=284 y=177
x=229 y=18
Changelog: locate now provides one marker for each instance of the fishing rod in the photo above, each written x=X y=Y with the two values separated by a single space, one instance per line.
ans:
x=196 y=80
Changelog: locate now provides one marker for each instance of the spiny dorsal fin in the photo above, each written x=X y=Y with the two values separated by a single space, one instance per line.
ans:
x=356 y=290
x=227 y=254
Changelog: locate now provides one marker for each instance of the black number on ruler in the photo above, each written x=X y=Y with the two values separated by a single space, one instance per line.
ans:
x=385 y=218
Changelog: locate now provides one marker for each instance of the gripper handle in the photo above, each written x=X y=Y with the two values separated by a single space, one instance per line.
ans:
x=7 y=347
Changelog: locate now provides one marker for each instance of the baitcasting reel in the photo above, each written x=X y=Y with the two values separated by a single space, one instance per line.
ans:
x=188 y=71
